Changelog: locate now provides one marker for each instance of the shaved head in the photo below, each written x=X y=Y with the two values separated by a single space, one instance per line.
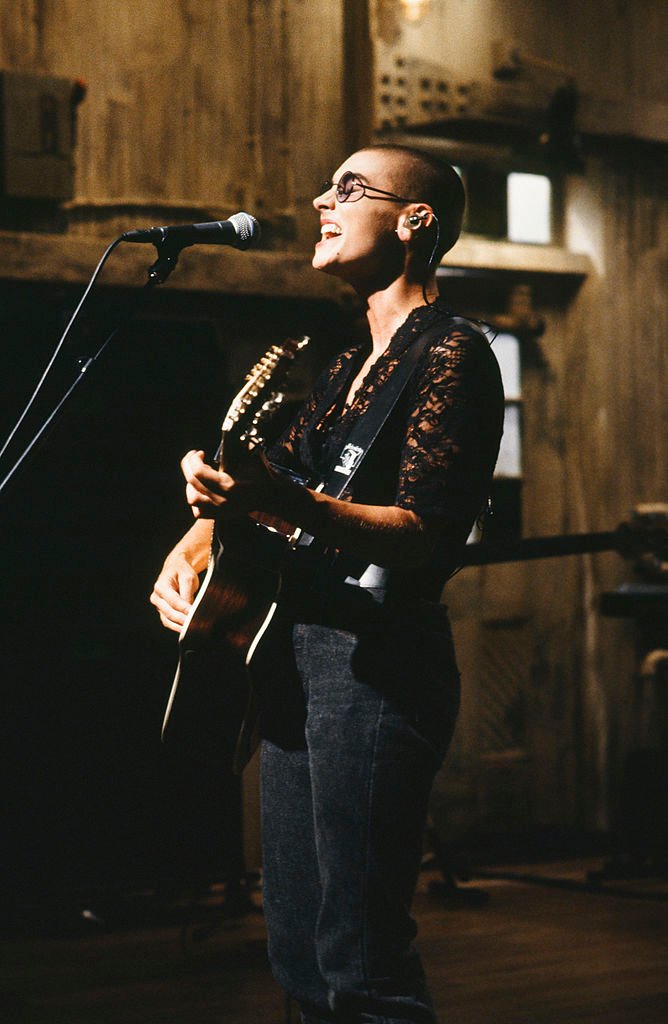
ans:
x=427 y=179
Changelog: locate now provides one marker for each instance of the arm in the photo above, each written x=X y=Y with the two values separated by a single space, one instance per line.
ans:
x=178 y=581
x=384 y=534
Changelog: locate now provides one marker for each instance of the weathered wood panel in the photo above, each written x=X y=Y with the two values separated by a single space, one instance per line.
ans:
x=218 y=104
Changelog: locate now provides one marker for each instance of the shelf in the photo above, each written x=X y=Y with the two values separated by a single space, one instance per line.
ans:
x=481 y=272
x=486 y=256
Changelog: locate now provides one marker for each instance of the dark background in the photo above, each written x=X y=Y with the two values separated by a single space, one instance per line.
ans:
x=89 y=796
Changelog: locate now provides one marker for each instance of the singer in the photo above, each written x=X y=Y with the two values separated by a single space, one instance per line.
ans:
x=347 y=764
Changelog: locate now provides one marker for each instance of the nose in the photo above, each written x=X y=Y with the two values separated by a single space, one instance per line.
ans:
x=326 y=200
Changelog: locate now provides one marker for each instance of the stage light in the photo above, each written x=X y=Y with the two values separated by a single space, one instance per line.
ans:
x=414 y=10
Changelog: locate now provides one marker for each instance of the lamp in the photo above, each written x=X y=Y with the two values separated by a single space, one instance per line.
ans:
x=414 y=10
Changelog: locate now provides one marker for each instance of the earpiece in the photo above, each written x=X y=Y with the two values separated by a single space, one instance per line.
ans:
x=415 y=219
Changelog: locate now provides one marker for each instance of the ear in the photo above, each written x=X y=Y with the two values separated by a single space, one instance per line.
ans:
x=411 y=220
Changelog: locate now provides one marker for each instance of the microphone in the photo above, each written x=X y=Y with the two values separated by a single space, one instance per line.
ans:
x=241 y=231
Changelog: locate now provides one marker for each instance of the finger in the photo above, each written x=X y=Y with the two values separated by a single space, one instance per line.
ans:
x=202 y=506
x=188 y=587
x=193 y=466
x=194 y=456
x=207 y=479
x=168 y=596
x=168 y=612
x=169 y=615
x=168 y=624
x=187 y=582
x=200 y=492
x=194 y=496
x=198 y=484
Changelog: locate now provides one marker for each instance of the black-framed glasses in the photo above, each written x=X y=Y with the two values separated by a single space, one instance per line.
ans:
x=350 y=189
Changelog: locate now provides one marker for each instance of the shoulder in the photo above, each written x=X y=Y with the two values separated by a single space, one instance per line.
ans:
x=457 y=335
x=459 y=348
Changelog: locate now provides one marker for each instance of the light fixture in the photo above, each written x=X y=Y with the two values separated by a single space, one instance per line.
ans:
x=414 y=10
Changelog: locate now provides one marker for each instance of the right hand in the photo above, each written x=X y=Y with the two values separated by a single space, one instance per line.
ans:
x=174 y=590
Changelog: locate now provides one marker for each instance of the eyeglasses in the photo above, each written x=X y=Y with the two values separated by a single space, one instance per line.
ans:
x=349 y=189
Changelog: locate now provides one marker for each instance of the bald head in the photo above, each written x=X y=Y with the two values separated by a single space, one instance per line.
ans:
x=427 y=179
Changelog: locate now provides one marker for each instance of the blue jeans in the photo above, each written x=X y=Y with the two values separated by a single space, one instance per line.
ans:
x=344 y=811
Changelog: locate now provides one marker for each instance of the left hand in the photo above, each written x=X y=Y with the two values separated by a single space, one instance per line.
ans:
x=212 y=492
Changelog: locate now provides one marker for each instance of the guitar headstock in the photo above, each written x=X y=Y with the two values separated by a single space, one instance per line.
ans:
x=257 y=401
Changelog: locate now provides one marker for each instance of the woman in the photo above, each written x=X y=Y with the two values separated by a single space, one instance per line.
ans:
x=348 y=762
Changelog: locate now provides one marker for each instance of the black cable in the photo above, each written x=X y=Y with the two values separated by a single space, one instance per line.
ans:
x=158 y=273
x=54 y=356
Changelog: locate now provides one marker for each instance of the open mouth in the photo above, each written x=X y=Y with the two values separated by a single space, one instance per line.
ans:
x=329 y=231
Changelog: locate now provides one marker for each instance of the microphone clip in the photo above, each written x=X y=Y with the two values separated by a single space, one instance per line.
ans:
x=168 y=250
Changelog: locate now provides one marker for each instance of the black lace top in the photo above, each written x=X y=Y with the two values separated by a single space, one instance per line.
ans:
x=436 y=453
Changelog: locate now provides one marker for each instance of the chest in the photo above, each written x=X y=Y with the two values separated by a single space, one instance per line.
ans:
x=358 y=380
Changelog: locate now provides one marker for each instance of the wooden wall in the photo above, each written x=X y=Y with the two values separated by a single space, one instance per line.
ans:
x=198 y=108
x=210 y=104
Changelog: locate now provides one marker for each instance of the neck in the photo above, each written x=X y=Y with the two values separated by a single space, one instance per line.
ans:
x=388 y=308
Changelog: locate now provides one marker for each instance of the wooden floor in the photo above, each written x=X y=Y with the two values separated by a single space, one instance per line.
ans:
x=540 y=951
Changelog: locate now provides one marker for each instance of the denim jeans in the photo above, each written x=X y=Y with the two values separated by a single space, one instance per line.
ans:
x=344 y=810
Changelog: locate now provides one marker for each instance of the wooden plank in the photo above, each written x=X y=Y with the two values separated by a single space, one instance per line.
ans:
x=34 y=257
x=475 y=253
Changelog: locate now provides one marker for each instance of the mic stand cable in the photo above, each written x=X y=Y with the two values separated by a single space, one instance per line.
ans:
x=158 y=272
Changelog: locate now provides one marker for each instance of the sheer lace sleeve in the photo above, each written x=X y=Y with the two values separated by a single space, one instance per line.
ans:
x=453 y=429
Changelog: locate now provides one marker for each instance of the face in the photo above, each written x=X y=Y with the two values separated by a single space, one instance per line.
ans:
x=358 y=239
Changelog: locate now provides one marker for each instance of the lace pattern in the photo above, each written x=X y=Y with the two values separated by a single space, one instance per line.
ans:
x=442 y=451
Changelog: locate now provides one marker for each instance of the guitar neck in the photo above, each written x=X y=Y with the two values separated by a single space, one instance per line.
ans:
x=275 y=524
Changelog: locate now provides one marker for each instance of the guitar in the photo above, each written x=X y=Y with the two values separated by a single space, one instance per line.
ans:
x=237 y=597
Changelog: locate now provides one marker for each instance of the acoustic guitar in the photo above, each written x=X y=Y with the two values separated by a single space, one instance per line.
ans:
x=237 y=597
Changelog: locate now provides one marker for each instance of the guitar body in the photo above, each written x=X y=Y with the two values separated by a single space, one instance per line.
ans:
x=212 y=687
x=237 y=593
x=212 y=708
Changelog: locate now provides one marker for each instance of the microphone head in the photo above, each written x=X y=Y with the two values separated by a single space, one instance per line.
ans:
x=247 y=228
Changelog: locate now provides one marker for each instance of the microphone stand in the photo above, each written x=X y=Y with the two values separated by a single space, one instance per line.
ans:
x=168 y=255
